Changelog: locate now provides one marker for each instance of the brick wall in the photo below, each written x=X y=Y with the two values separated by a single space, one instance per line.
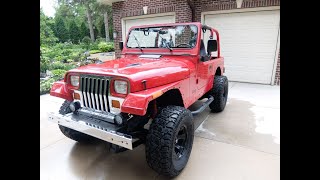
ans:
x=130 y=8
x=212 y=5
x=116 y=11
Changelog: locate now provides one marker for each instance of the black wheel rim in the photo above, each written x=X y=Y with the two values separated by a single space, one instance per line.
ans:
x=180 y=142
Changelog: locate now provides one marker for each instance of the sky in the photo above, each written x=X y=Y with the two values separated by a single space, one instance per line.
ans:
x=48 y=7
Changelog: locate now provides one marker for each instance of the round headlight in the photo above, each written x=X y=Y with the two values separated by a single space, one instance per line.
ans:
x=120 y=87
x=74 y=80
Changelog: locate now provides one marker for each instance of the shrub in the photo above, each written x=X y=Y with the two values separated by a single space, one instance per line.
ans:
x=56 y=65
x=58 y=74
x=105 y=47
x=69 y=60
x=46 y=85
x=43 y=67
x=61 y=55
x=60 y=65
x=94 y=51
x=86 y=40
x=111 y=46
x=74 y=56
x=94 y=46
x=100 y=39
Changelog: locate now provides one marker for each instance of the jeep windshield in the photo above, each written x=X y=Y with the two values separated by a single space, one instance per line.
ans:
x=181 y=36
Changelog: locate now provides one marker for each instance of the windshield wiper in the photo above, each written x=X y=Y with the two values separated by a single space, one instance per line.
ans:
x=137 y=42
x=166 y=44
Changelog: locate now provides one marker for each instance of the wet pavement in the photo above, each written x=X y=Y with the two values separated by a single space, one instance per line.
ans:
x=242 y=142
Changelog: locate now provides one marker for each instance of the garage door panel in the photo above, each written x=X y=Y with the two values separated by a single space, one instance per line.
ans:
x=245 y=69
x=241 y=76
x=239 y=71
x=248 y=43
x=242 y=63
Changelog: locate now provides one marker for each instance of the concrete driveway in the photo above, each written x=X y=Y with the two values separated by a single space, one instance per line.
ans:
x=242 y=142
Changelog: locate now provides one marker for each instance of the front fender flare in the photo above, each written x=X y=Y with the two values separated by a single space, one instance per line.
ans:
x=59 y=89
x=137 y=102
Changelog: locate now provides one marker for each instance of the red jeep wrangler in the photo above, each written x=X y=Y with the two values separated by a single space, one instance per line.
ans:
x=163 y=69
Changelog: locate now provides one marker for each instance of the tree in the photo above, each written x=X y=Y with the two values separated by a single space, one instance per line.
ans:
x=61 y=30
x=89 y=15
x=46 y=34
x=74 y=32
x=106 y=25
x=64 y=9
x=86 y=3
x=83 y=30
x=105 y=10
x=102 y=30
x=96 y=31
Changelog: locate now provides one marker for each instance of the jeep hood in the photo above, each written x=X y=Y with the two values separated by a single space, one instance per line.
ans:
x=156 y=72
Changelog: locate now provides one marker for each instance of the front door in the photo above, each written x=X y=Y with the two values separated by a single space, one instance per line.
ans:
x=205 y=69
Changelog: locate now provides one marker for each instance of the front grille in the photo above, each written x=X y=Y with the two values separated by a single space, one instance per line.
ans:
x=94 y=92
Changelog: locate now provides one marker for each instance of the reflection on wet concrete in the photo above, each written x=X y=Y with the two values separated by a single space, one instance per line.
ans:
x=243 y=124
x=97 y=161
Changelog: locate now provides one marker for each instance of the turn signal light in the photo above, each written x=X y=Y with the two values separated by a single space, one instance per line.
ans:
x=76 y=96
x=115 y=104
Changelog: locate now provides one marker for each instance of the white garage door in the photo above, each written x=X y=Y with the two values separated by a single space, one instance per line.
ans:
x=248 y=43
x=145 y=20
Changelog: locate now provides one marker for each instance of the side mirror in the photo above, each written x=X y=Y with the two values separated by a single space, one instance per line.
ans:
x=121 y=45
x=212 y=46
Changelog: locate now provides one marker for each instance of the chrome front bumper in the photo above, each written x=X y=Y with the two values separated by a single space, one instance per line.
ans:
x=92 y=127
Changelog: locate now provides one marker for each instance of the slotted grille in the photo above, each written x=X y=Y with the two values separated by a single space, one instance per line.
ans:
x=94 y=90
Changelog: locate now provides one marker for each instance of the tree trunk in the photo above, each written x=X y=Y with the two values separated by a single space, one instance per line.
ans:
x=90 y=22
x=106 y=25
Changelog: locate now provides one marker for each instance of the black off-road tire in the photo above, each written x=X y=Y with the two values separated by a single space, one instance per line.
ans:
x=70 y=133
x=164 y=153
x=220 y=94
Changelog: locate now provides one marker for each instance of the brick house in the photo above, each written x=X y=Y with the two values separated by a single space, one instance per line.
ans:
x=249 y=30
